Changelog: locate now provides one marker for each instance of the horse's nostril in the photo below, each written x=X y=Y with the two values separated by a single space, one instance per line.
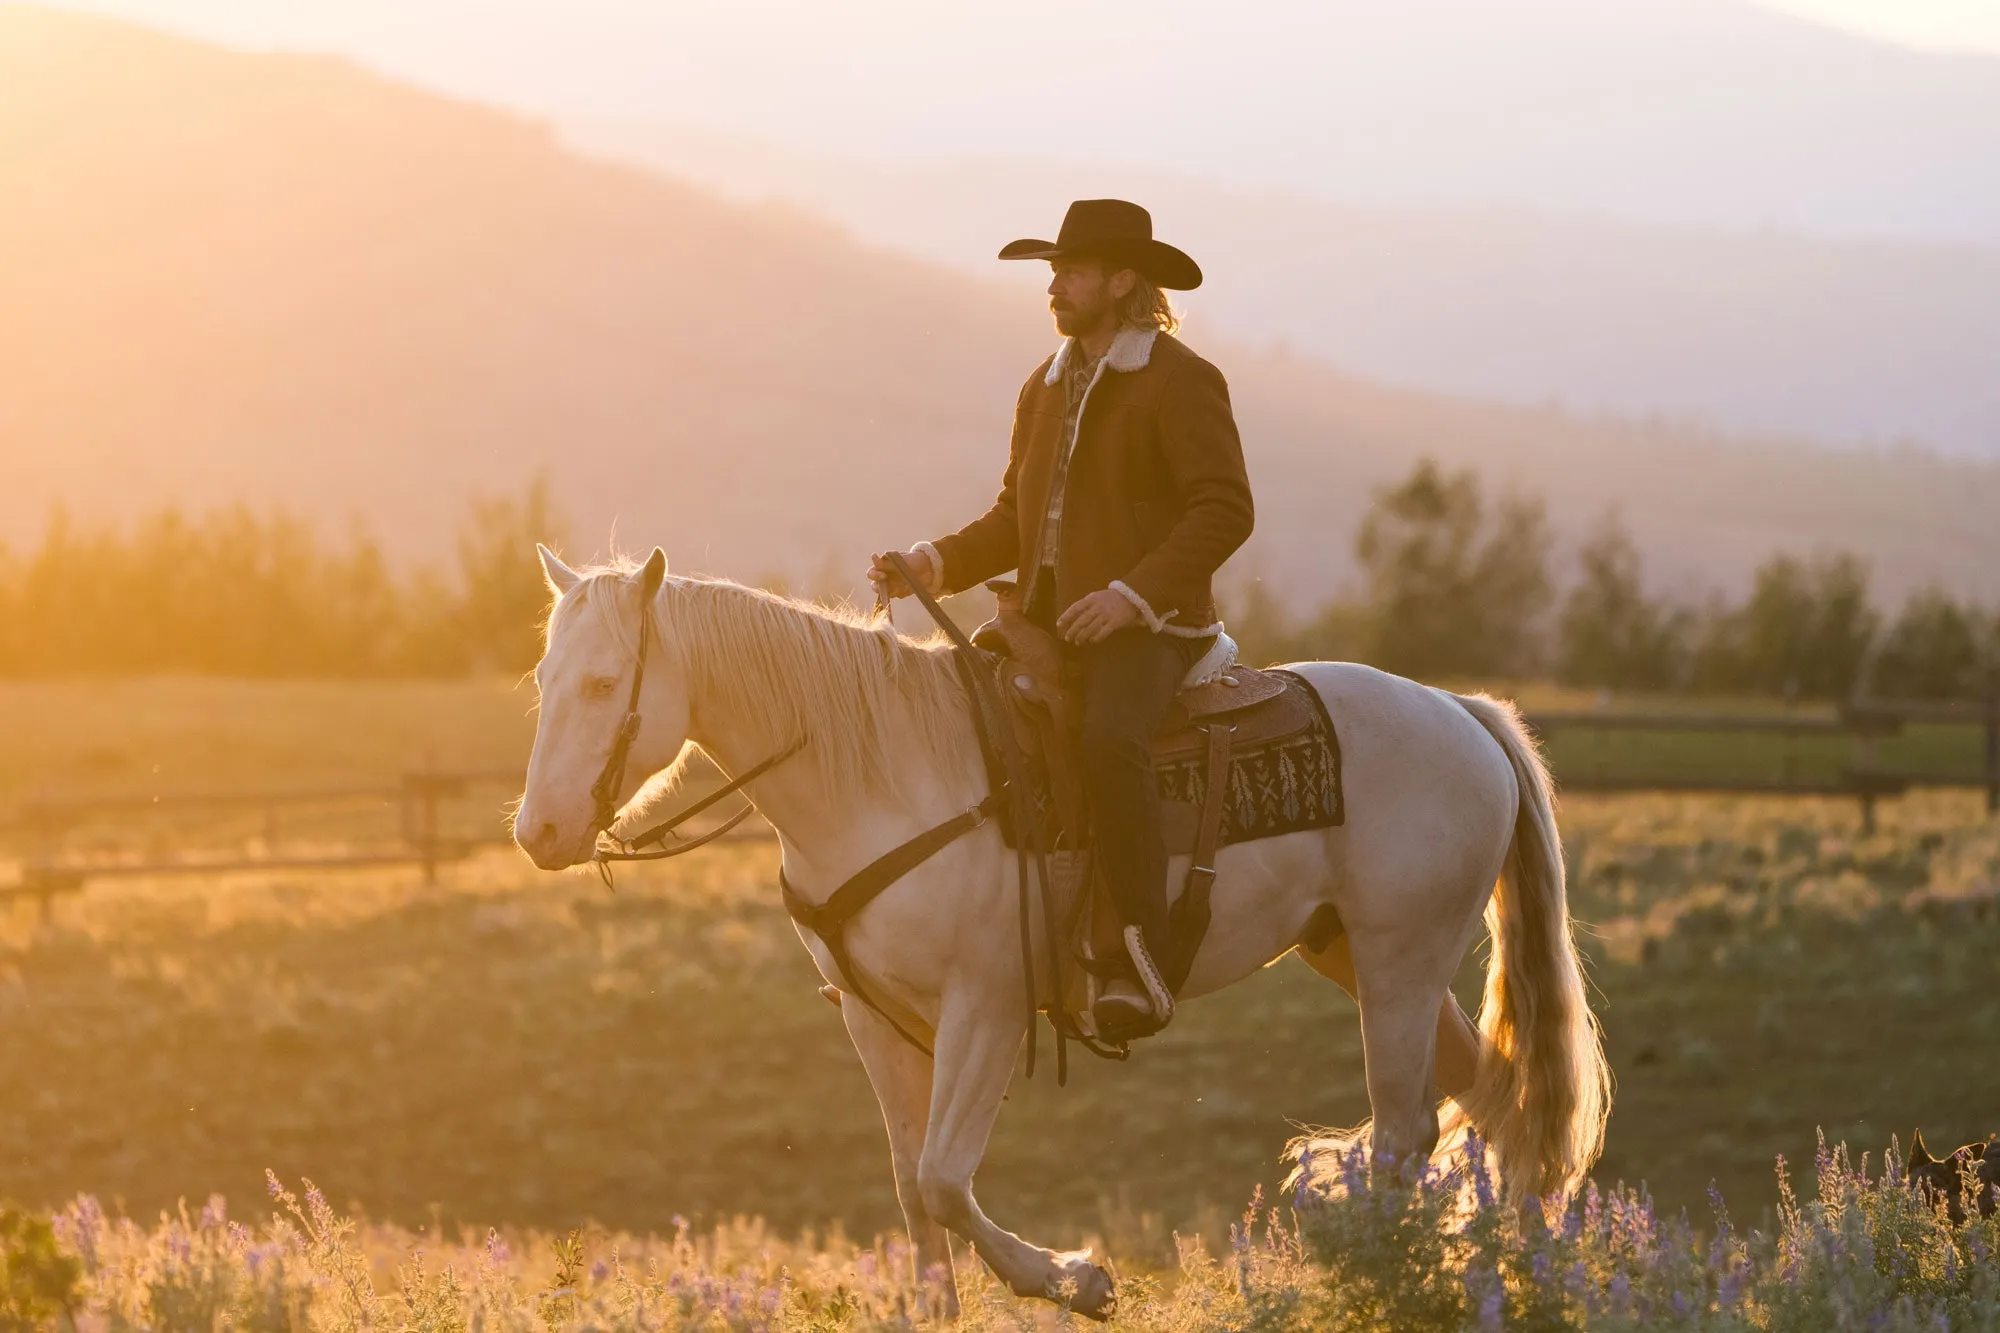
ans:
x=545 y=835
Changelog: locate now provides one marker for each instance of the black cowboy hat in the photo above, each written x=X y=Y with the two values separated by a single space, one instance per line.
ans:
x=1114 y=230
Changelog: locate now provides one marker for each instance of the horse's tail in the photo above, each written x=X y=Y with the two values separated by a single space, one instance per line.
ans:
x=1543 y=1088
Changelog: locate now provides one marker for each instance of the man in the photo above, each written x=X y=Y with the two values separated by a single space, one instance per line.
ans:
x=1124 y=493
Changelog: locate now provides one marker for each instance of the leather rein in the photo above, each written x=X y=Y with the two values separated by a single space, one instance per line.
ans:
x=827 y=920
x=611 y=779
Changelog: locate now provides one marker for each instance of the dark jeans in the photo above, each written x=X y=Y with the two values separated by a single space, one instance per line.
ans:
x=1127 y=682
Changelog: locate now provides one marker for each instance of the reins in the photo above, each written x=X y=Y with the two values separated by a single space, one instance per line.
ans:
x=828 y=920
x=611 y=780
x=990 y=721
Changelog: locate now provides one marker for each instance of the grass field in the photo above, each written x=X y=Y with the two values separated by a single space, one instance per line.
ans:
x=514 y=1047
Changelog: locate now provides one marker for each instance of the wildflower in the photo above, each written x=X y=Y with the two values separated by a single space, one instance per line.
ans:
x=1482 y=1179
x=497 y=1252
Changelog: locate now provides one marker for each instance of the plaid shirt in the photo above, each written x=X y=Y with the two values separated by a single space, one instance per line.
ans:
x=1077 y=377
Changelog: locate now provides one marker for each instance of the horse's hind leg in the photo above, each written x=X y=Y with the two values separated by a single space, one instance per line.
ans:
x=901 y=1075
x=1456 y=1040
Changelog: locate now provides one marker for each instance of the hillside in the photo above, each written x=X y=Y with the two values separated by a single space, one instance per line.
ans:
x=1842 y=341
x=282 y=279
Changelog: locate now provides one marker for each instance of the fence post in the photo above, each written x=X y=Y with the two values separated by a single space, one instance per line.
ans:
x=1864 y=770
x=429 y=833
x=1993 y=749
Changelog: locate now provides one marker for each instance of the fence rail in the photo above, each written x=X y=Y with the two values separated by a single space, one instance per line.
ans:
x=1864 y=725
x=422 y=837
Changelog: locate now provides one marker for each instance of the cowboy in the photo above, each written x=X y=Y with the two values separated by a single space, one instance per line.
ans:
x=1124 y=492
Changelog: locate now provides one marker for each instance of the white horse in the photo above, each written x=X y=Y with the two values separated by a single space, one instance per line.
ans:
x=1445 y=796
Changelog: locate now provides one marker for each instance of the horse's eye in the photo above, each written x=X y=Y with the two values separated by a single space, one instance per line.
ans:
x=599 y=687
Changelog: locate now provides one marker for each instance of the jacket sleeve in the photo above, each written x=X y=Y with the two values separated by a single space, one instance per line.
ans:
x=990 y=545
x=1204 y=454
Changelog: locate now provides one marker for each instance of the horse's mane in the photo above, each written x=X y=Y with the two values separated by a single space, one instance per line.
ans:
x=853 y=687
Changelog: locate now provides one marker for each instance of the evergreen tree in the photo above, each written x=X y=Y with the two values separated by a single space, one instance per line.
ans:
x=1609 y=634
x=1450 y=593
x=1933 y=651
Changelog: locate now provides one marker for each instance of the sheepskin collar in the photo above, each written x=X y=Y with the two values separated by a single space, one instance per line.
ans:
x=1131 y=350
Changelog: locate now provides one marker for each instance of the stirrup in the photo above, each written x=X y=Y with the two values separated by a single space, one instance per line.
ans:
x=1125 y=1027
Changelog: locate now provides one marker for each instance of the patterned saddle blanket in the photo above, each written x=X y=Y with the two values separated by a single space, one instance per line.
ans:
x=1278 y=783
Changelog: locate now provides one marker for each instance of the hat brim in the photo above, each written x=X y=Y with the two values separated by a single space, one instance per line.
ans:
x=1166 y=266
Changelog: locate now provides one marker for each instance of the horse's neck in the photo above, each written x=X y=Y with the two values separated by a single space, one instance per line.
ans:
x=815 y=826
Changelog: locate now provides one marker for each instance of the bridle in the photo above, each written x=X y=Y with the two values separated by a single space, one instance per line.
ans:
x=828 y=919
x=611 y=779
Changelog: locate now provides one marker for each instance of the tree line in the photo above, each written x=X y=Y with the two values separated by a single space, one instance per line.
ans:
x=233 y=592
x=1455 y=585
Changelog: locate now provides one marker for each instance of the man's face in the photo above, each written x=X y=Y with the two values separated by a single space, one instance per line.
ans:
x=1083 y=295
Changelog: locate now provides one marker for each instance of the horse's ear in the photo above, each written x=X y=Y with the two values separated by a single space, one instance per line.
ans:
x=561 y=578
x=1918 y=1153
x=655 y=572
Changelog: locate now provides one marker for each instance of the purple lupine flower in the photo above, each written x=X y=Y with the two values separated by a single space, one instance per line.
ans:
x=1729 y=1289
x=1621 y=1293
x=271 y=1185
x=86 y=1227
x=214 y=1213
x=497 y=1252
x=1482 y=1179
x=1577 y=1283
x=1592 y=1216
x=1354 y=1170
x=600 y=1271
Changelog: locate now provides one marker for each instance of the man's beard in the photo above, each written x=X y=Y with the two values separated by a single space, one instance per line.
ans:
x=1070 y=321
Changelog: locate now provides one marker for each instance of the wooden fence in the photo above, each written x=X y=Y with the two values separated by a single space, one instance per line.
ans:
x=1834 y=754
x=1600 y=750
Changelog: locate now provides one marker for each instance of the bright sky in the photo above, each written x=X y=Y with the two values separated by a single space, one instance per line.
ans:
x=1936 y=24
x=1944 y=24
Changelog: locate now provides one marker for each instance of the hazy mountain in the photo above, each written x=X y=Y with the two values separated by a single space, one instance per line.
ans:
x=281 y=279
x=1844 y=341
x=1699 y=112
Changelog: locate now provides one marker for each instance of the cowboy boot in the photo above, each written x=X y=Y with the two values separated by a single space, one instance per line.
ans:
x=1129 y=1008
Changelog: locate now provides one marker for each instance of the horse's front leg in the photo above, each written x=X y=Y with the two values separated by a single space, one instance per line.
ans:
x=979 y=1034
x=901 y=1075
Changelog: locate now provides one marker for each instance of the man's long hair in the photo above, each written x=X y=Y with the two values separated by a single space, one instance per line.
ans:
x=1146 y=307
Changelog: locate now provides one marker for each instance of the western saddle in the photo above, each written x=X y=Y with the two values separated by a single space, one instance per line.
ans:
x=1240 y=709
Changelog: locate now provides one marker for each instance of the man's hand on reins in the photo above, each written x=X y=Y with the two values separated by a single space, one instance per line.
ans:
x=1097 y=617
x=888 y=583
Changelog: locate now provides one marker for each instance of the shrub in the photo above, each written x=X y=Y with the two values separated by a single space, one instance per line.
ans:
x=38 y=1281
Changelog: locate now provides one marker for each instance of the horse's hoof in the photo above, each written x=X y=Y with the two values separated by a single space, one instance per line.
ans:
x=1086 y=1288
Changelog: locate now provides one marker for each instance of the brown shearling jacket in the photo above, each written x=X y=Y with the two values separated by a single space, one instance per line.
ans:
x=1157 y=496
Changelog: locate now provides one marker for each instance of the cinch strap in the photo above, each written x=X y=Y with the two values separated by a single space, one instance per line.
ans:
x=828 y=920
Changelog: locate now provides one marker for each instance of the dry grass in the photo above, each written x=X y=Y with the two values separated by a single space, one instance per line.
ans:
x=510 y=1047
